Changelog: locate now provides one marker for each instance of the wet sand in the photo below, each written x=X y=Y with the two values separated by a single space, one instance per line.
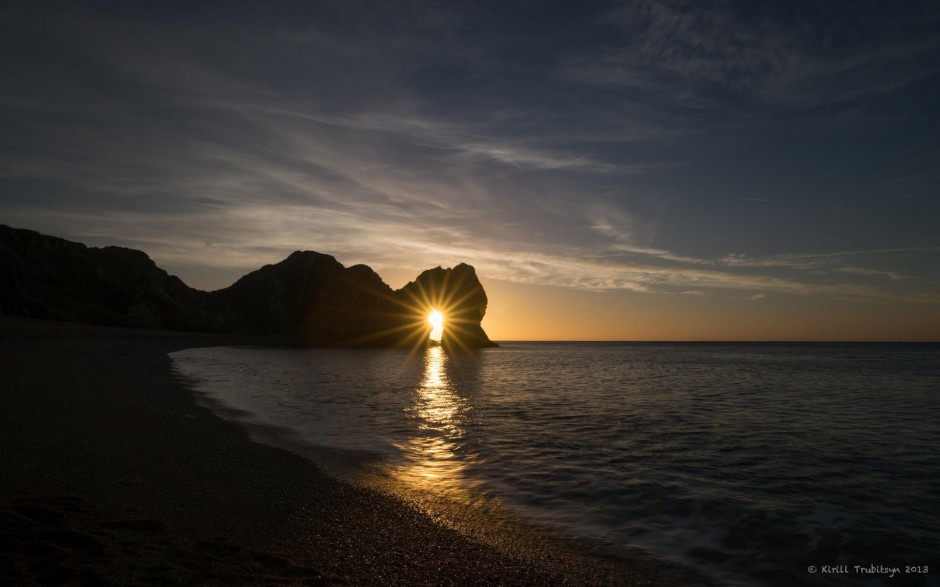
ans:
x=112 y=473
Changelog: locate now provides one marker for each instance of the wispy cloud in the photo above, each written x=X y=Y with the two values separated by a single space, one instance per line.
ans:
x=798 y=56
x=267 y=234
x=825 y=259
x=468 y=143
x=892 y=275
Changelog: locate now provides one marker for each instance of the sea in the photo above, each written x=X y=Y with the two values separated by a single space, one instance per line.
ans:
x=762 y=464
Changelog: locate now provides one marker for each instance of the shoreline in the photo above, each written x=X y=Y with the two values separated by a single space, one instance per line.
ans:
x=114 y=472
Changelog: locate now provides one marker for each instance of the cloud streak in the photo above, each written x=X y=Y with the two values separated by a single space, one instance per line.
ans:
x=268 y=234
x=799 y=56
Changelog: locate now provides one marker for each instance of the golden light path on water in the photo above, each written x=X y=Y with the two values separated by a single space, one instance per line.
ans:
x=441 y=415
x=433 y=475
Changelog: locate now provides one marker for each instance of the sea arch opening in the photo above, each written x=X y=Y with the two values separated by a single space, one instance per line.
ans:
x=436 y=320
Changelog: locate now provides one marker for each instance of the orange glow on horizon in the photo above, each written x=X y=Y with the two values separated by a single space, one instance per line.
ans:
x=542 y=313
x=518 y=311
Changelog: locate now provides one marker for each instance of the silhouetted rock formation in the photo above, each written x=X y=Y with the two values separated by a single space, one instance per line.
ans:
x=458 y=294
x=308 y=295
x=48 y=277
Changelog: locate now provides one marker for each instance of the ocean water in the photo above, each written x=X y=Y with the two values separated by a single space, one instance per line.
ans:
x=753 y=464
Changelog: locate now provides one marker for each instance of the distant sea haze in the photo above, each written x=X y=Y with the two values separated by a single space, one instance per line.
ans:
x=753 y=464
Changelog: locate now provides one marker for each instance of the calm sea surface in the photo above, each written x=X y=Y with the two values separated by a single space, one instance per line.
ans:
x=747 y=462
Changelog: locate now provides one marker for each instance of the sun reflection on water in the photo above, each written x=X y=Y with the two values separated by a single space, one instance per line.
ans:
x=433 y=455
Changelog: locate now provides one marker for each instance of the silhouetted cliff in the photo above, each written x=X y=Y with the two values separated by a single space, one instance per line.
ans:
x=458 y=294
x=48 y=277
x=308 y=295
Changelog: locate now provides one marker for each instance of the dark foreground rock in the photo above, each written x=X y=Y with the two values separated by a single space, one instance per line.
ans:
x=309 y=296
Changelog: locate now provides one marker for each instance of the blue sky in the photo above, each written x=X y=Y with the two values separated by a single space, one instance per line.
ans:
x=673 y=149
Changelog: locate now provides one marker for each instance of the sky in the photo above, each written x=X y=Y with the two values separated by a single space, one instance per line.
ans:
x=637 y=170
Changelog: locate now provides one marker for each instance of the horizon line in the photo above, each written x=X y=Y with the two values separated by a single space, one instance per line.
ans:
x=730 y=341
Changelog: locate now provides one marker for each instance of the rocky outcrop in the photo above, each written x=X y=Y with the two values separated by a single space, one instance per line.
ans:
x=47 y=277
x=458 y=294
x=310 y=296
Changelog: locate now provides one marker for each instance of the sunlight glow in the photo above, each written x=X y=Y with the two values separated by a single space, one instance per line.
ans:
x=437 y=323
x=440 y=414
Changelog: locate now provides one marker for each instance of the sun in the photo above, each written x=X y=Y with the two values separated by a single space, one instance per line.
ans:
x=436 y=319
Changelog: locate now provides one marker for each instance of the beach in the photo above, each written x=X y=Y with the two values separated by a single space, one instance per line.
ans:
x=113 y=473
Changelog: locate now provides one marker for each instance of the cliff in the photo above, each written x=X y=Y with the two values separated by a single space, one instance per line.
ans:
x=456 y=293
x=309 y=295
x=47 y=277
